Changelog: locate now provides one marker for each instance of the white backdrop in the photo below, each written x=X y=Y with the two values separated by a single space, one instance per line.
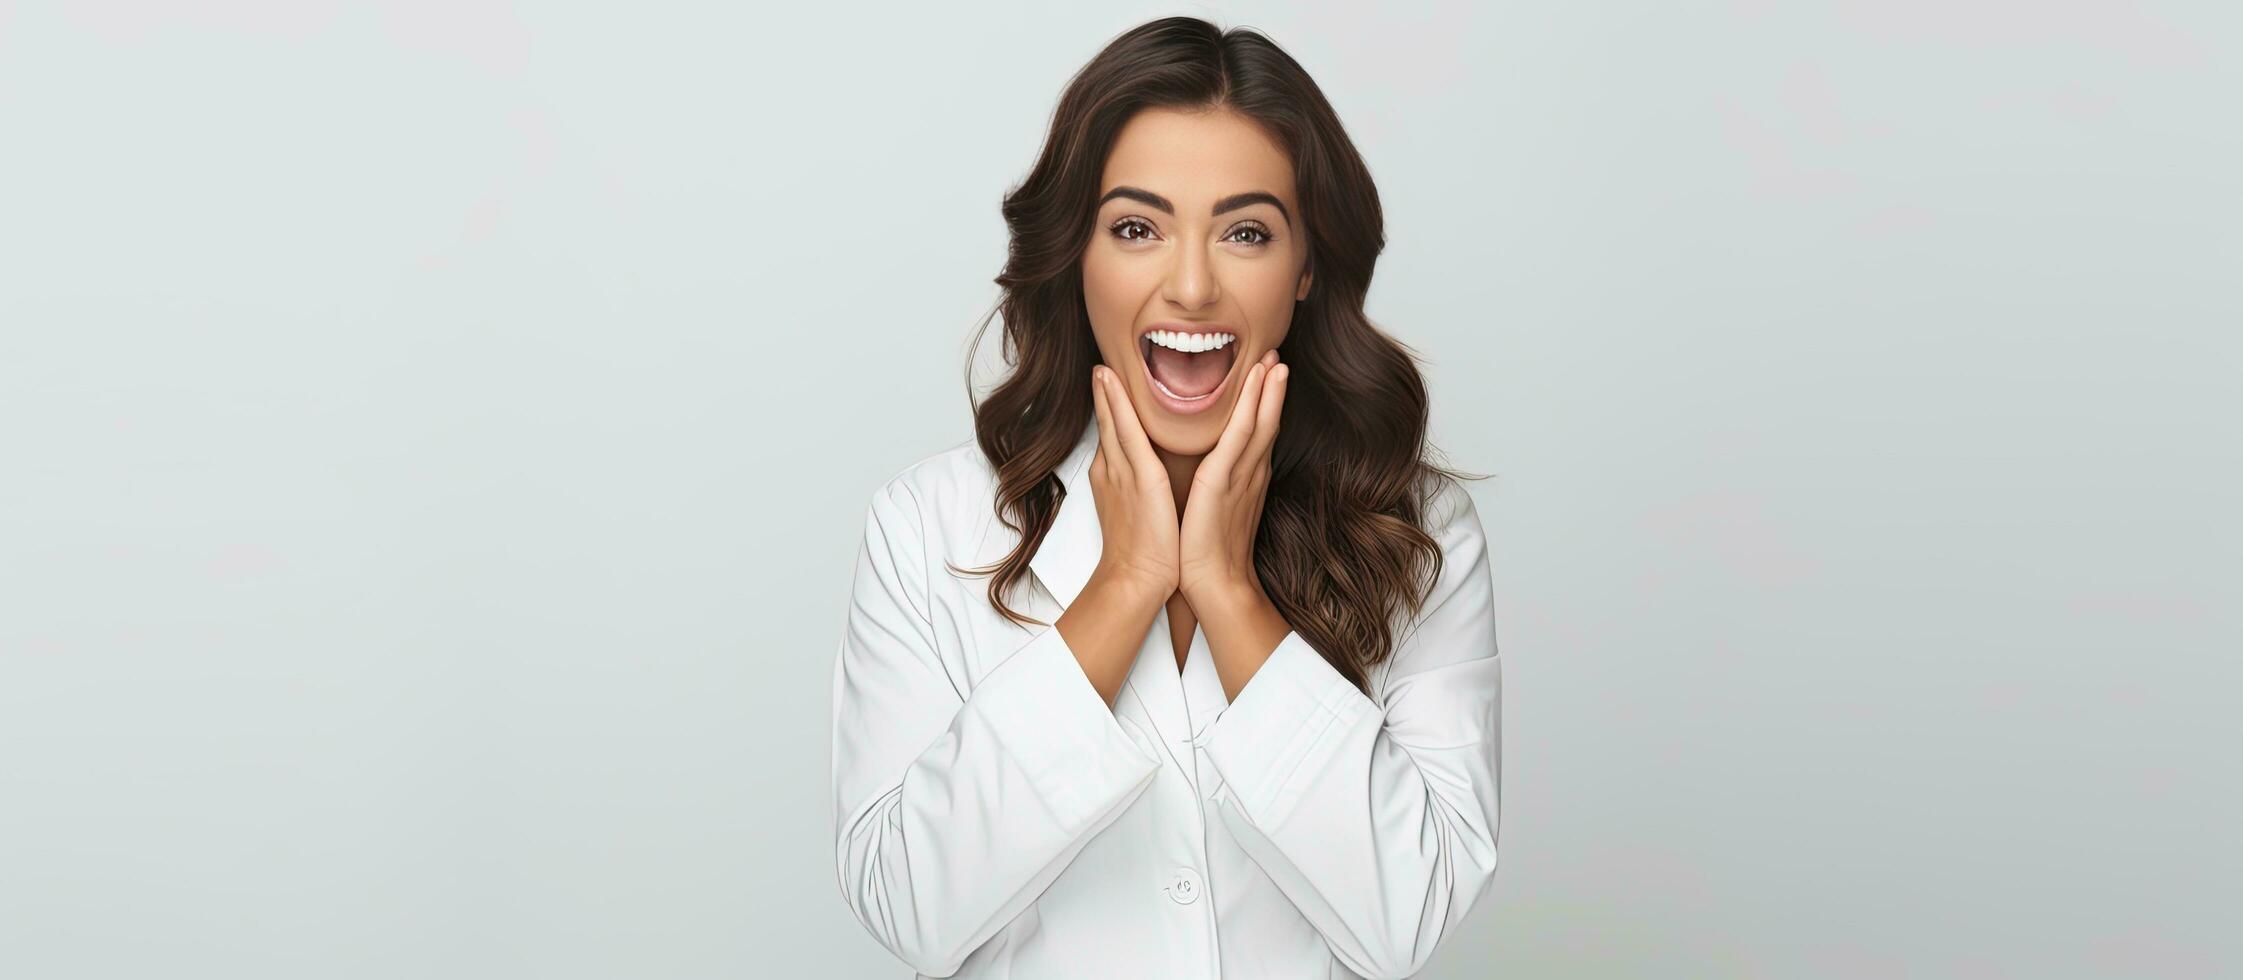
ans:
x=436 y=437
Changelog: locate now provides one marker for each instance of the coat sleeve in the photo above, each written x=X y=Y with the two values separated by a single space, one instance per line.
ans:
x=1377 y=818
x=954 y=809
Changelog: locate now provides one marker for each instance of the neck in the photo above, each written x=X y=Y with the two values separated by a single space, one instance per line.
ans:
x=1180 y=471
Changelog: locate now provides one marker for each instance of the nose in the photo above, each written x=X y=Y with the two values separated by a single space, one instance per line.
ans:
x=1191 y=281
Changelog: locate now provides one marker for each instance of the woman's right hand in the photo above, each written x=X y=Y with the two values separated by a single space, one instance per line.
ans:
x=1136 y=507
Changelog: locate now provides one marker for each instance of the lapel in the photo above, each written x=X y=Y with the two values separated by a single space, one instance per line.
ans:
x=1073 y=544
x=1064 y=562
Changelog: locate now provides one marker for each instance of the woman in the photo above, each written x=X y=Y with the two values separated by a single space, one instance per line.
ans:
x=1256 y=731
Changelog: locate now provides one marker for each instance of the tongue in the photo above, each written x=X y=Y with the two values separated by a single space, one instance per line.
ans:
x=1189 y=375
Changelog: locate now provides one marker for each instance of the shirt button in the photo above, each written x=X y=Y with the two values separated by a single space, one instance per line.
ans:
x=1183 y=887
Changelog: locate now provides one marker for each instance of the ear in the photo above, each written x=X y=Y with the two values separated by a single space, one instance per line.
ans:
x=1302 y=293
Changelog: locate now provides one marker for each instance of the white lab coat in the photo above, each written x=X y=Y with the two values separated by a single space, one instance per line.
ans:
x=994 y=818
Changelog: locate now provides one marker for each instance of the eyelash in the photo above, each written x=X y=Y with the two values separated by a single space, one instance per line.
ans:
x=1253 y=226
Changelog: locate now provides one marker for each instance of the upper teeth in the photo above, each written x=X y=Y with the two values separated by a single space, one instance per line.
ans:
x=1190 y=343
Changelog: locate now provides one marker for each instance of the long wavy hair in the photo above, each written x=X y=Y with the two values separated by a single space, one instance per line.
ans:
x=1340 y=549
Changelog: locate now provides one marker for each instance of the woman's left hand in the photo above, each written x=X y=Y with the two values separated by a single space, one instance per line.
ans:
x=1215 y=562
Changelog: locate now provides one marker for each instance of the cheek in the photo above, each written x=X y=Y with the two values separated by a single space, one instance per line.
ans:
x=1110 y=279
x=1112 y=295
x=1269 y=303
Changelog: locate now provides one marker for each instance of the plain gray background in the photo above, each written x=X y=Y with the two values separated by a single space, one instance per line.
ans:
x=437 y=435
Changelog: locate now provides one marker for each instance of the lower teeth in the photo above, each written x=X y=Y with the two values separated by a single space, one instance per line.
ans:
x=1172 y=394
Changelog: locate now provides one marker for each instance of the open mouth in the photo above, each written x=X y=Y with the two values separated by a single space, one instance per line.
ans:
x=1188 y=369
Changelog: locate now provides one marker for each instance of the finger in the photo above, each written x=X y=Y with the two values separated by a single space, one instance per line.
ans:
x=1108 y=447
x=1239 y=427
x=1131 y=432
x=1271 y=409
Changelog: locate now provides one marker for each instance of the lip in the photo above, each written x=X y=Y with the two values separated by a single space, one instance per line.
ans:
x=1189 y=406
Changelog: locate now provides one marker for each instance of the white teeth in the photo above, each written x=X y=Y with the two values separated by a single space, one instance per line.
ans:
x=1164 y=390
x=1190 y=343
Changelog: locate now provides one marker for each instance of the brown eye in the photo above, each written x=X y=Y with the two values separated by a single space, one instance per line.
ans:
x=1257 y=230
x=1121 y=229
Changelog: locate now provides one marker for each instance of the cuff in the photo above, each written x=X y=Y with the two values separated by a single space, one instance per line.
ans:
x=1291 y=716
x=1042 y=708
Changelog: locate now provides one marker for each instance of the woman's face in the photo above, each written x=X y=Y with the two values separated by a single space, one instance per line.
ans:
x=1195 y=236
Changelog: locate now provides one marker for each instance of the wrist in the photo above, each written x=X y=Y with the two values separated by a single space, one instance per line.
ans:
x=1226 y=596
x=1137 y=588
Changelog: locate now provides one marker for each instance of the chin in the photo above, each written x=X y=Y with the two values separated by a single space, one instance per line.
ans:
x=1194 y=436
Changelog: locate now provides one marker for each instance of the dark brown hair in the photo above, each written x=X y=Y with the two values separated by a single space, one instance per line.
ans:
x=1340 y=548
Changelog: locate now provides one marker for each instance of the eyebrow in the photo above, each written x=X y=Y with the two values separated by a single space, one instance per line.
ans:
x=1231 y=203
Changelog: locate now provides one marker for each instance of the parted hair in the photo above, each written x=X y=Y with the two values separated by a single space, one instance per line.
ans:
x=1340 y=549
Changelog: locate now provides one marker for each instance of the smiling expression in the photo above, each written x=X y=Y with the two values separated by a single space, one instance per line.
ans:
x=1195 y=238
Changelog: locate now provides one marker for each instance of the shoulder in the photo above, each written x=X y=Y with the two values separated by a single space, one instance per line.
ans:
x=1450 y=515
x=940 y=488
